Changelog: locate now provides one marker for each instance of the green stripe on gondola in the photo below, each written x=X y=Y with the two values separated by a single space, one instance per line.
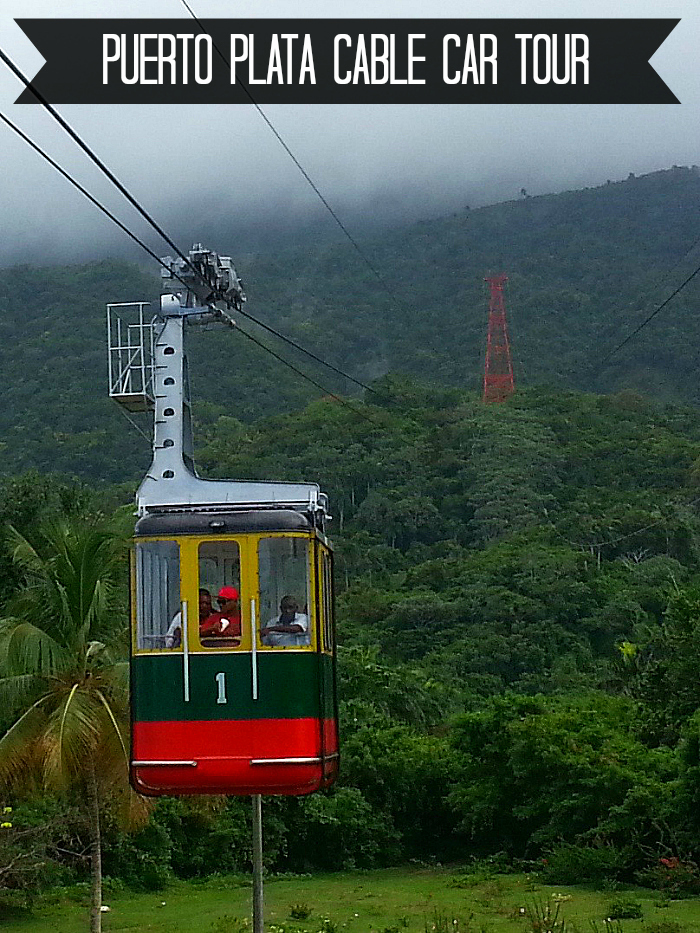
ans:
x=290 y=686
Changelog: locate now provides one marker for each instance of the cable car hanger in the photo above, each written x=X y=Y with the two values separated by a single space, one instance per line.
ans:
x=239 y=701
x=148 y=372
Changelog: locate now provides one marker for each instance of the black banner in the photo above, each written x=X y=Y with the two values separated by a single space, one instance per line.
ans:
x=349 y=61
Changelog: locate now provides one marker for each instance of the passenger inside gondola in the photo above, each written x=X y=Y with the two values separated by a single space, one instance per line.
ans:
x=289 y=629
x=224 y=625
x=173 y=637
x=220 y=570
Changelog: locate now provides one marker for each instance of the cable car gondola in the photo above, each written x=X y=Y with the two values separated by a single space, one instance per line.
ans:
x=239 y=700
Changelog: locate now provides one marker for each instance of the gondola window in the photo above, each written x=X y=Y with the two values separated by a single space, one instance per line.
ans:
x=158 y=610
x=284 y=592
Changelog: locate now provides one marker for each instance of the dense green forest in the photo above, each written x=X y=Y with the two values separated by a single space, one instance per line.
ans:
x=519 y=612
x=584 y=267
x=518 y=584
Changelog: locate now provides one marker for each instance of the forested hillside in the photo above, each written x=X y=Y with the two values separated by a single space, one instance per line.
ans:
x=518 y=584
x=584 y=266
x=510 y=546
x=519 y=621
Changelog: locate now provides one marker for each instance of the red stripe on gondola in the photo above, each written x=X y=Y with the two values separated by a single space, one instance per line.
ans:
x=224 y=751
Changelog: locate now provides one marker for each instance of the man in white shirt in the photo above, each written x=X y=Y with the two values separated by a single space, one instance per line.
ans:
x=173 y=637
x=288 y=630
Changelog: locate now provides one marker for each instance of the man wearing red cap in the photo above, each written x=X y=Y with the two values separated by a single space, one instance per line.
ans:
x=226 y=623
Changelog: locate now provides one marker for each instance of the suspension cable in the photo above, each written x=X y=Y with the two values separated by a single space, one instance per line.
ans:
x=222 y=315
x=145 y=214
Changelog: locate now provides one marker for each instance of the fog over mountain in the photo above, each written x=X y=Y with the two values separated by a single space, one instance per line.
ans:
x=200 y=168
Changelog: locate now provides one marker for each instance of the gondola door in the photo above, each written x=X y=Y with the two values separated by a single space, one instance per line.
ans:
x=162 y=597
x=220 y=694
x=325 y=615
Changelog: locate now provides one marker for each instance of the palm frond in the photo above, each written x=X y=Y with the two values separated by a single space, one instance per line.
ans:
x=28 y=649
x=43 y=602
x=132 y=810
x=66 y=707
x=19 y=689
x=20 y=746
x=56 y=639
x=120 y=676
x=23 y=554
x=69 y=580
x=70 y=738
x=115 y=724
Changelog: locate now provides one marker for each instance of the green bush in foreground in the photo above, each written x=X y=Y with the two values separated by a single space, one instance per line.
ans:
x=572 y=864
x=625 y=908
x=664 y=926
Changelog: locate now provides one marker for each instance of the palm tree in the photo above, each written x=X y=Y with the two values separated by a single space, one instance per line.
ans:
x=58 y=672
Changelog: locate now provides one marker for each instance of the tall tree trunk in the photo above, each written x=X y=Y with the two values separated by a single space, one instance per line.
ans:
x=95 y=851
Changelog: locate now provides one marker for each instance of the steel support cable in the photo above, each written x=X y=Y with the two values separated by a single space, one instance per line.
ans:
x=230 y=322
x=594 y=368
x=224 y=317
x=657 y=284
x=318 y=385
x=667 y=274
x=92 y=155
x=293 y=343
x=93 y=200
x=660 y=281
x=289 y=152
x=79 y=187
x=133 y=201
x=651 y=316
x=135 y=425
x=599 y=545
x=319 y=194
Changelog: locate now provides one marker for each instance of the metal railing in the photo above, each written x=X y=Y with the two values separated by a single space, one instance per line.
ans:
x=131 y=365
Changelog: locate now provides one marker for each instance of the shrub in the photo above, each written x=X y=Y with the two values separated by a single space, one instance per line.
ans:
x=571 y=864
x=29 y=837
x=674 y=877
x=140 y=860
x=624 y=908
x=228 y=924
x=664 y=926
x=300 y=911
x=341 y=830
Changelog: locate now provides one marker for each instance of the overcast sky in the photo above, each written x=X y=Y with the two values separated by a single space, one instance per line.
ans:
x=370 y=161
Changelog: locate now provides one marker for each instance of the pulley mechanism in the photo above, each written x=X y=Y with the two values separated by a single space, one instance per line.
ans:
x=148 y=372
x=205 y=280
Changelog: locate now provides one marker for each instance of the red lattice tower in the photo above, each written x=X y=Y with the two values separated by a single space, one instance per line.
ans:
x=498 y=372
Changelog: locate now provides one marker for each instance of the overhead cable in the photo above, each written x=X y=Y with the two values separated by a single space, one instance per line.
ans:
x=89 y=152
x=144 y=213
x=226 y=318
x=318 y=385
x=79 y=187
x=278 y=136
x=651 y=316
x=598 y=545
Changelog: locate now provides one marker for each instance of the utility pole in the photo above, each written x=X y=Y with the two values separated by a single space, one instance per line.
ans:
x=498 y=371
x=258 y=908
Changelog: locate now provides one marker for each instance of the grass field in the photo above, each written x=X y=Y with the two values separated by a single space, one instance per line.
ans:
x=390 y=901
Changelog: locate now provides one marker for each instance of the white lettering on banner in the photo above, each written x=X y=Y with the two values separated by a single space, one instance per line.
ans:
x=550 y=63
x=290 y=61
x=374 y=59
x=127 y=61
x=474 y=64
